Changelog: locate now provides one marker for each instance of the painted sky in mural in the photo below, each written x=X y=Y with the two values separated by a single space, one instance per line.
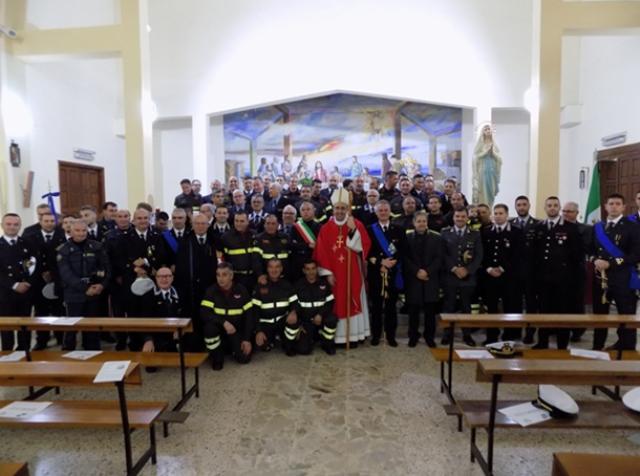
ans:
x=344 y=133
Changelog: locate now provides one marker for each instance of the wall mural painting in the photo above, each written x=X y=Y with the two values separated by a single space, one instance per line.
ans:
x=346 y=134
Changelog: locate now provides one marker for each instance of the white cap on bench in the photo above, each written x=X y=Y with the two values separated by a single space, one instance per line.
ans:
x=557 y=402
x=631 y=399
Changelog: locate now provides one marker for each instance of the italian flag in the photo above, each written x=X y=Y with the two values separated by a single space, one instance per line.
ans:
x=305 y=231
x=593 y=212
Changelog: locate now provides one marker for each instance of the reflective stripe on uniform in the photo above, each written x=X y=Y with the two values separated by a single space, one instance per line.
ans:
x=271 y=255
x=228 y=312
x=272 y=321
x=206 y=303
x=291 y=334
x=238 y=251
x=212 y=343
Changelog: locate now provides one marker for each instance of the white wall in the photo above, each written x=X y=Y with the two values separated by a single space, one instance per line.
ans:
x=512 y=136
x=609 y=79
x=220 y=56
x=172 y=152
x=75 y=104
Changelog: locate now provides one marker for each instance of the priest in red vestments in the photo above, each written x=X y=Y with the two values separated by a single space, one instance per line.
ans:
x=340 y=239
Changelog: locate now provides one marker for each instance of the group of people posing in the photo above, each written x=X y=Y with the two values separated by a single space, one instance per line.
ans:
x=293 y=266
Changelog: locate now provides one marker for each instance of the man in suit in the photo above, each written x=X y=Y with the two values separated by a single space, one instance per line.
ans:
x=502 y=244
x=367 y=214
x=277 y=201
x=45 y=244
x=383 y=267
x=616 y=251
x=257 y=215
x=35 y=228
x=220 y=225
x=239 y=204
x=303 y=238
x=557 y=253
x=89 y=216
x=526 y=287
x=177 y=234
x=462 y=259
x=18 y=273
x=422 y=263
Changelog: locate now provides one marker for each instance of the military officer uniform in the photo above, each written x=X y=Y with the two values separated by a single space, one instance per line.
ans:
x=81 y=265
x=463 y=248
x=273 y=302
x=558 y=252
x=315 y=299
x=18 y=263
x=233 y=306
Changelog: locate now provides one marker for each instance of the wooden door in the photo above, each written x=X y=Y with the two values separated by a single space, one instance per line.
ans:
x=80 y=185
x=620 y=173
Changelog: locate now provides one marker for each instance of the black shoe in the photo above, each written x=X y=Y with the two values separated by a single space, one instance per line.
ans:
x=329 y=349
x=290 y=352
x=615 y=346
x=39 y=347
x=431 y=343
x=353 y=345
x=528 y=338
x=392 y=342
x=540 y=346
x=413 y=342
x=217 y=365
x=151 y=370
x=374 y=341
x=446 y=340
x=469 y=341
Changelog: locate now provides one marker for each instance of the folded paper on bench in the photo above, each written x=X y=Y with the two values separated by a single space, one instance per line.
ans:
x=22 y=409
x=525 y=414
x=112 y=371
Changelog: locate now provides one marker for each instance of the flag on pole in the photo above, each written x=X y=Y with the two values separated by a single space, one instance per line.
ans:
x=593 y=212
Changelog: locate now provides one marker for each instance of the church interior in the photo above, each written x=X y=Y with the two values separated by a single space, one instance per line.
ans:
x=527 y=109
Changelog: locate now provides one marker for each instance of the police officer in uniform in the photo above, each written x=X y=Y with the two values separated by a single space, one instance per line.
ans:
x=422 y=262
x=314 y=309
x=85 y=272
x=382 y=272
x=613 y=273
x=228 y=317
x=274 y=303
x=558 y=256
x=18 y=267
x=502 y=244
x=238 y=249
x=463 y=258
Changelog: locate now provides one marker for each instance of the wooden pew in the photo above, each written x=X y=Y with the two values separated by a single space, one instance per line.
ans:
x=13 y=469
x=592 y=321
x=441 y=355
x=84 y=414
x=589 y=464
x=111 y=324
x=593 y=415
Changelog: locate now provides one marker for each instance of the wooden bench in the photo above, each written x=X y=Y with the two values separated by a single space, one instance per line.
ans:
x=441 y=355
x=593 y=415
x=13 y=469
x=112 y=324
x=592 y=321
x=85 y=414
x=588 y=464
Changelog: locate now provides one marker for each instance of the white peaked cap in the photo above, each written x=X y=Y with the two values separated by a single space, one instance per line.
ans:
x=340 y=195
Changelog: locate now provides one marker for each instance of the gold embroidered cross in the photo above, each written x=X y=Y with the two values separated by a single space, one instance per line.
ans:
x=340 y=241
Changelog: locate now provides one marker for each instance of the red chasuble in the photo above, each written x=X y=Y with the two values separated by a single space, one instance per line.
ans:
x=331 y=254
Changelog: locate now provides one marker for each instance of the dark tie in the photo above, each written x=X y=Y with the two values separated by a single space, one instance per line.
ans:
x=522 y=223
x=92 y=235
x=12 y=241
x=179 y=234
x=167 y=297
x=499 y=230
x=551 y=224
x=610 y=225
x=47 y=238
x=384 y=228
x=142 y=237
x=201 y=240
x=459 y=233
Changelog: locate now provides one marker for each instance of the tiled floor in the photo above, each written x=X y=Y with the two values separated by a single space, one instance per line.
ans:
x=377 y=410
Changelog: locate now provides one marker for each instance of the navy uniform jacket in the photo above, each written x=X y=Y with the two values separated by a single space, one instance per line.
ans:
x=502 y=250
x=461 y=251
x=46 y=255
x=558 y=253
x=527 y=257
x=81 y=265
x=133 y=247
x=423 y=251
x=14 y=268
x=626 y=236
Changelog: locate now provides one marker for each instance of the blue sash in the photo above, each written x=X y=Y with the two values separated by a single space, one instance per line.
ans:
x=389 y=250
x=634 y=217
x=613 y=250
x=171 y=240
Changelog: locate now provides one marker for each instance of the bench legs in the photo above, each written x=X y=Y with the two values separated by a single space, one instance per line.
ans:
x=476 y=454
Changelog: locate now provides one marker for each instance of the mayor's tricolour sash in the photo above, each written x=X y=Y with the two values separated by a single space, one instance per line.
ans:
x=613 y=250
x=389 y=249
x=305 y=232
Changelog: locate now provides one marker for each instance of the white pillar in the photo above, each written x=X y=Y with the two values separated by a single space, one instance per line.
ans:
x=216 y=150
x=200 y=138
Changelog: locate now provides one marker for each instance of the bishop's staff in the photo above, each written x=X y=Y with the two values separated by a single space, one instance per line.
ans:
x=347 y=346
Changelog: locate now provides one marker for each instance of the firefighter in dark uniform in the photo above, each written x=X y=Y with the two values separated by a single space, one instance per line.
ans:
x=462 y=259
x=613 y=273
x=321 y=202
x=85 y=272
x=195 y=272
x=437 y=221
x=45 y=244
x=382 y=272
x=18 y=267
x=274 y=304
x=303 y=238
x=502 y=246
x=422 y=266
x=162 y=301
x=405 y=220
x=358 y=196
x=228 y=319
x=238 y=249
x=270 y=244
x=526 y=287
x=315 y=311
x=142 y=254
x=558 y=255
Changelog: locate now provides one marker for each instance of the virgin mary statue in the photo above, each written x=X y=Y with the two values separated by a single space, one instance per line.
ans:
x=487 y=164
